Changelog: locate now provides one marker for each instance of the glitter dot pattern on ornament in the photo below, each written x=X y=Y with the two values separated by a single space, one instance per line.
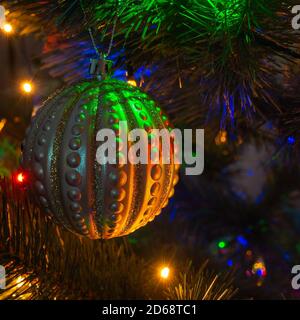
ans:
x=89 y=199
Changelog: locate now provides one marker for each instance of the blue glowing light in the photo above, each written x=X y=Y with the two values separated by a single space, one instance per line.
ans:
x=259 y=272
x=259 y=199
x=242 y=240
x=230 y=263
x=291 y=140
x=250 y=172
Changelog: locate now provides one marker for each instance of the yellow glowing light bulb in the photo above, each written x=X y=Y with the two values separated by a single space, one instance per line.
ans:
x=165 y=272
x=7 y=27
x=2 y=124
x=26 y=87
x=258 y=265
x=223 y=137
x=132 y=82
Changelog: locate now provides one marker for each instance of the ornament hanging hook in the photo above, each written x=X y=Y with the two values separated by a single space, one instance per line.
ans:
x=100 y=67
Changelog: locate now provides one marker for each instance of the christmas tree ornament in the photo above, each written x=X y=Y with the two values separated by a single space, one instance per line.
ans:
x=59 y=152
x=2 y=16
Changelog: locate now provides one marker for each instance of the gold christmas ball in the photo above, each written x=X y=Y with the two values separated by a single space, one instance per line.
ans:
x=88 y=198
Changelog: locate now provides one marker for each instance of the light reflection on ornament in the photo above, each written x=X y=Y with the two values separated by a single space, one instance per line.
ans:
x=2 y=16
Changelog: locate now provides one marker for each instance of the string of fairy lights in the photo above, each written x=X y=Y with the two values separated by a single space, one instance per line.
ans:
x=26 y=86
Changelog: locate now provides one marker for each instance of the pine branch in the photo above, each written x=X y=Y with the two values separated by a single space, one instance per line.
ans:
x=275 y=46
x=217 y=60
x=60 y=261
x=43 y=261
x=201 y=285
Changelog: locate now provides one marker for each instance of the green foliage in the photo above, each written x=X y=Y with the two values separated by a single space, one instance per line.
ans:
x=228 y=54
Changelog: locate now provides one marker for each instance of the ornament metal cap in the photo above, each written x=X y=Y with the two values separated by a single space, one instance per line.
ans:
x=100 y=68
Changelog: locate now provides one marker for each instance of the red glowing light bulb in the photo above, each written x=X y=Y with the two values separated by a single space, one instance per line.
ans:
x=20 y=177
